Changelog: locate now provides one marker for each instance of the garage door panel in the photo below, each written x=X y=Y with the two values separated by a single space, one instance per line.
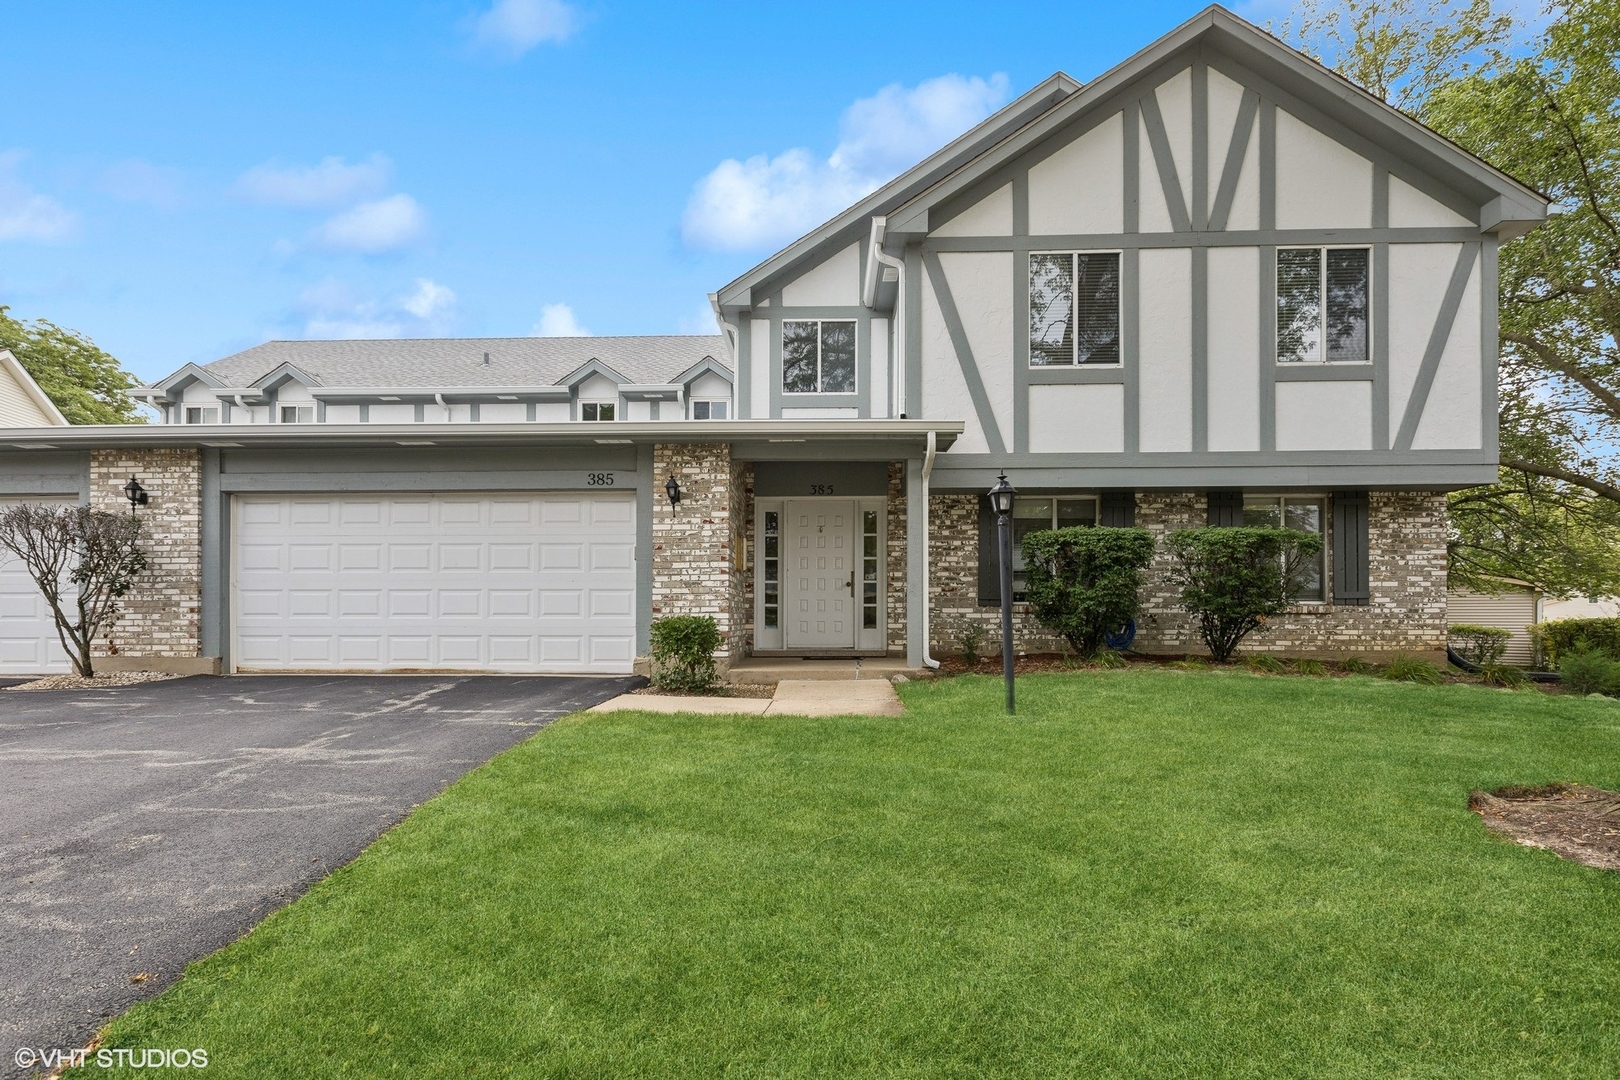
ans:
x=28 y=641
x=510 y=582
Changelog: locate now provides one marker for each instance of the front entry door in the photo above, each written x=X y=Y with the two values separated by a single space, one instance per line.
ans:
x=819 y=588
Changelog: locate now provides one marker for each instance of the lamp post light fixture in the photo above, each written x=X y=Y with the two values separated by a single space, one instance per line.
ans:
x=672 y=488
x=136 y=494
x=1001 y=501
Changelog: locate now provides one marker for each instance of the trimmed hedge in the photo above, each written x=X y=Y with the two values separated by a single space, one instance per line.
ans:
x=1559 y=638
x=1082 y=582
x=683 y=652
x=1479 y=645
x=1234 y=579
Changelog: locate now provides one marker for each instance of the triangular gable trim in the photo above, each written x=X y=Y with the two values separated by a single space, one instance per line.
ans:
x=593 y=366
x=708 y=365
x=284 y=373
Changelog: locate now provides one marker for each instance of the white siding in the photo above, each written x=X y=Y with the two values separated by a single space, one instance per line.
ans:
x=1451 y=416
x=340 y=414
x=1077 y=419
x=981 y=285
x=1513 y=610
x=1324 y=416
x=1165 y=421
x=17 y=407
x=551 y=412
x=881 y=372
x=395 y=413
x=1321 y=184
x=990 y=216
x=944 y=391
x=1409 y=208
x=1081 y=188
x=1174 y=96
x=503 y=412
x=759 y=359
x=1418 y=276
x=834 y=283
x=816 y=412
x=1234 y=348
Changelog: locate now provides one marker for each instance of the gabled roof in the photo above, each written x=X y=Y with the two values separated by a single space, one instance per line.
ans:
x=447 y=364
x=1511 y=207
x=35 y=400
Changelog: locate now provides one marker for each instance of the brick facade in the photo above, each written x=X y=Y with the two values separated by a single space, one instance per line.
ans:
x=695 y=569
x=895 y=551
x=1406 y=570
x=161 y=615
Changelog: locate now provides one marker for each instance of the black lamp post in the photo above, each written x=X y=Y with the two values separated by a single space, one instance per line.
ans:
x=135 y=494
x=1001 y=501
x=672 y=488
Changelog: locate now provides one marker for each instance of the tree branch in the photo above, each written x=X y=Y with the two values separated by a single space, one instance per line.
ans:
x=1608 y=491
x=1550 y=358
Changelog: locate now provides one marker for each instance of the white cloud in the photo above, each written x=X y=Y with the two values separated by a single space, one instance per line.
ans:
x=766 y=201
x=373 y=228
x=334 y=309
x=24 y=213
x=514 y=27
x=331 y=183
x=142 y=182
x=699 y=321
x=557 y=320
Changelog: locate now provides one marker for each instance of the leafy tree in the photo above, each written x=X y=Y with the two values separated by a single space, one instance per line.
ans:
x=1547 y=113
x=1234 y=579
x=1082 y=582
x=84 y=562
x=86 y=383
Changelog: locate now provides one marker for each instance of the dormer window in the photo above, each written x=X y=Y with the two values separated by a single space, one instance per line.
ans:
x=818 y=356
x=202 y=414
x=709 y=410
x=598 y=410
x=298 y=414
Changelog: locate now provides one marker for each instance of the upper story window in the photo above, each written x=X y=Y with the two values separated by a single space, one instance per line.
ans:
x=1074 y=308
x=598 y=410
x=1322 y=304
x=818 y=356
x=709 y=410
x=206 y=414
x=1304 y=513
x=298 y=414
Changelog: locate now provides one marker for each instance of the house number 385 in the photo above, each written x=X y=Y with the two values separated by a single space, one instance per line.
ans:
x=599 y=479
x=821 y=489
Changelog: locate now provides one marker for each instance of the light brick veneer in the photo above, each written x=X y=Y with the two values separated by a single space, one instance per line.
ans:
x=161 y=614
x=1406 y=538
x=695 y=571
x=895 y=550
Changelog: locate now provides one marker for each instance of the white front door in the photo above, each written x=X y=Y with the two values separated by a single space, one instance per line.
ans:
x=819 y=585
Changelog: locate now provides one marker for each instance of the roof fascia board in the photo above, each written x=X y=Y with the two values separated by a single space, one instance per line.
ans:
x=1048 y=93
x=183 y=378
x=429 y=393
x=40 y=399
x=283 y=373
x=593 y=366
x=1270 y=59
x=707 y=366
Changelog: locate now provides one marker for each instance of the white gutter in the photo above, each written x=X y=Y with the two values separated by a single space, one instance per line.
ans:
x=897 y=386
x=928 y=470
x=443 y=404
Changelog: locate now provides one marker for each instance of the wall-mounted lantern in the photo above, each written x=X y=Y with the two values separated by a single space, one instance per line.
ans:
x=672 y=488
x=136 y=494
x=1001 y=501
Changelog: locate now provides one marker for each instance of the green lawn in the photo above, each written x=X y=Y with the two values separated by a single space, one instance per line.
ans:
x=1143 y=874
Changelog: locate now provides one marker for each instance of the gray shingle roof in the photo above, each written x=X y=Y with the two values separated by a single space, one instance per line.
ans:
x=443 y=363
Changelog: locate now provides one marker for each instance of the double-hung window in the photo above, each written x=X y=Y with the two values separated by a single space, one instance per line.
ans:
x=298 y=414
x=1074 y=308
x=709 y=410
x=598 y=410
x=1303 y=513
x=1322 y=304
x=1033 y=515
x=818 y=356
x=206 y=414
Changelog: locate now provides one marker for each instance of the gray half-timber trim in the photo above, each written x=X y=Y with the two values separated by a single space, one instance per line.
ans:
x=1251 y=238
x=1232 y=171
x=1169 y=182
x=1438 y=337
x=964 y=354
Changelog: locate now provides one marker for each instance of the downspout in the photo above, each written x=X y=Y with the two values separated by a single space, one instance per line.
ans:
x=897 y=363
x=736 y=373
x=443 y=404
x=927 y=471
x=238 y=399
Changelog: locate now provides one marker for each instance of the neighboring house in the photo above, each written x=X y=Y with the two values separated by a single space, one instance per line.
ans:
x=1516 y=608
x=22 y=403
x=1216 y=285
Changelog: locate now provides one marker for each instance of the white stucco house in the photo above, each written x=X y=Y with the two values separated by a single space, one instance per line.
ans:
x=1216 y=284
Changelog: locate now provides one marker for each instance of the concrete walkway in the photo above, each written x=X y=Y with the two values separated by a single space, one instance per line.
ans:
x=794 y=697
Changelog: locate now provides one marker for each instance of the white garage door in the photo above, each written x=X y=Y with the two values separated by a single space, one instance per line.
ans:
x=28 y=642
x=519 y=582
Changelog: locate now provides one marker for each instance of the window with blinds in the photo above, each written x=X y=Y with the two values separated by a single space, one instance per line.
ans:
x=1074 y=308
x=1322 y=305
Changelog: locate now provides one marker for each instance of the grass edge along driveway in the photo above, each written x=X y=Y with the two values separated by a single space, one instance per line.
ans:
x=1142 y=874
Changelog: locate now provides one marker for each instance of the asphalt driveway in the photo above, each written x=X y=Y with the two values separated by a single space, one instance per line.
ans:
x=146 y=826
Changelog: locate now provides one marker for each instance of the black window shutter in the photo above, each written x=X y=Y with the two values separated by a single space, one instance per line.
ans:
x=1350 y=548
x=989 y=558
x=1118 y=509
x=1226 y=509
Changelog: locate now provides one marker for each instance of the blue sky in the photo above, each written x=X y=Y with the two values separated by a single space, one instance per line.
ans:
x=180 y=181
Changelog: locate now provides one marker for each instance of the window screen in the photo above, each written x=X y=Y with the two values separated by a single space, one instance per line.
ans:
x=1074 y=308
x=1322 y=304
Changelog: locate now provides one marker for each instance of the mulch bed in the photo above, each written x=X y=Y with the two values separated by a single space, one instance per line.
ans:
x=1576 y=822
x=734 y=690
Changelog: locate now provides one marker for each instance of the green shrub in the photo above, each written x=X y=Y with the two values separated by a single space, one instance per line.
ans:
x=1107 y=659
x=1234 y=579
x=1555 y=639
x=1191 y=663
x=683 y=652
x=1586 y=670
x=1357 y=666
x=972 y=642
x=1306 y=665
x=1261 y=664
x=1404 y=668
x=1479 y=645
x=1504 y=676
x=1082 y=582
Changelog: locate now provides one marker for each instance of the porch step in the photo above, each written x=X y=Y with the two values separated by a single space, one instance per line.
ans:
x=775 y=669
